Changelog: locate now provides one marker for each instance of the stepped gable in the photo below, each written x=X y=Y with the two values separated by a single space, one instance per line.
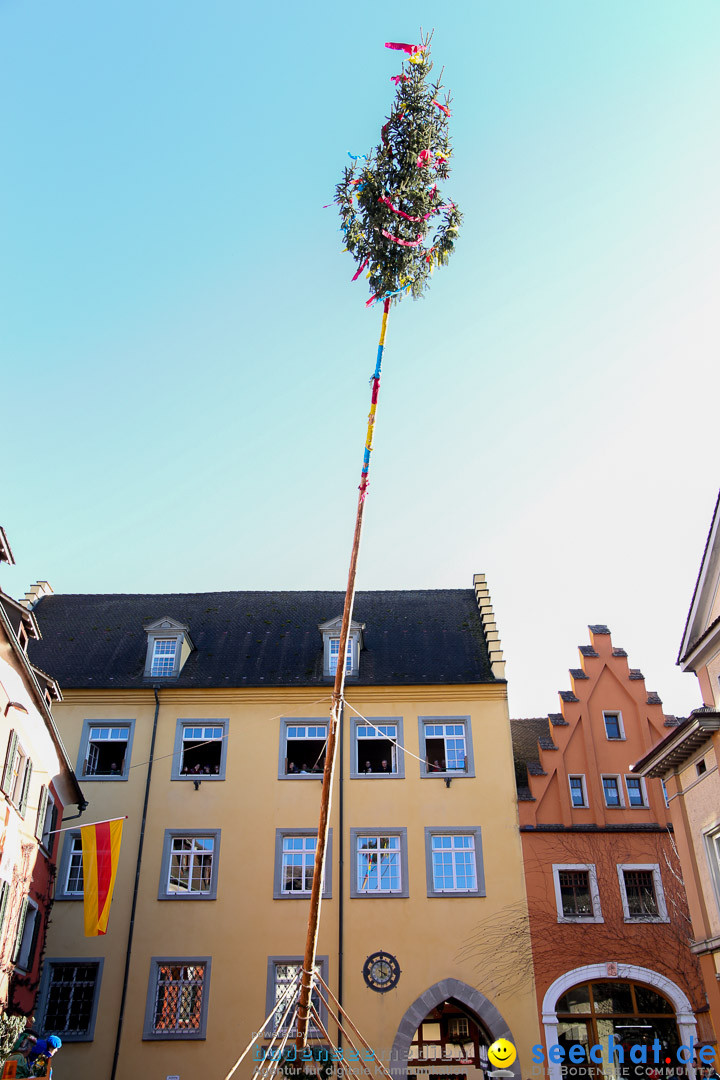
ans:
x=411 y=637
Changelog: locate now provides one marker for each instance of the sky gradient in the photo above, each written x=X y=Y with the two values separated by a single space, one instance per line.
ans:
x=185 y=361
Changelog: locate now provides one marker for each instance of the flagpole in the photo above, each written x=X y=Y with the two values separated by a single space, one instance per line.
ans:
x=74 y=828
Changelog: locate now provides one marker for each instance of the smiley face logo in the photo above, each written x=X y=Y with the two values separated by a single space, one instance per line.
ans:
x=502 y=1053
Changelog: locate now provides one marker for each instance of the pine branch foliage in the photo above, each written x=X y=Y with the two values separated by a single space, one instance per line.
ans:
x=397 y=224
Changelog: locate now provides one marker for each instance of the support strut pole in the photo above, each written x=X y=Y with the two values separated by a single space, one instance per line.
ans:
x=335 y=712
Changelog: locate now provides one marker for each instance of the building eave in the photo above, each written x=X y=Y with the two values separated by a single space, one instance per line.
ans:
x=679 y=745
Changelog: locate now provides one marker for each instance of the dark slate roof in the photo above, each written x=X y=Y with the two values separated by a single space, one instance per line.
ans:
x=635 y=673
x=264 y=638
x=599 y=628
x=653 y=698
x=578 y=673
x=587 y=650
x=526 y=735
x=618 y=651
x=567 y=695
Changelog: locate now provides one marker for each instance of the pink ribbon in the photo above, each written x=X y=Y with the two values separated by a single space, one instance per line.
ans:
x=405 y=243
x=398 y=78
x=409 y=49
x=442 y=108
x=358 y=272
x=424 y=158
x=401 y=213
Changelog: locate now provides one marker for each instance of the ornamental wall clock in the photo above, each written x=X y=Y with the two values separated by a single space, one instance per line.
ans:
x=381 y=972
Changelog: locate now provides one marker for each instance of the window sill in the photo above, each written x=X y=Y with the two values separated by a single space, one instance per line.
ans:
x=300 y=776
x=581 y=920
x=645 y=919
x=198 y=776
x=188 y=896
x=92 y=779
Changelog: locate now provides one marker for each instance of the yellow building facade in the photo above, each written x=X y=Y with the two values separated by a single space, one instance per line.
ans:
x=203 y=718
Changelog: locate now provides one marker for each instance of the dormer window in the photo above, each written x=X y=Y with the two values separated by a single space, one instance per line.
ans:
x=168 y=648
x=163 y=657
x=331 y=647
x=335 y=652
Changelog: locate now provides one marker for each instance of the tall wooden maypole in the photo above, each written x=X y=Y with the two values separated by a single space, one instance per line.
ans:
x=389 y=202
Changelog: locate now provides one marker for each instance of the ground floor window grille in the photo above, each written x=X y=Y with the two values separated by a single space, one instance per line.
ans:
x=178 y=998
x=287 y=983
x=70 y=998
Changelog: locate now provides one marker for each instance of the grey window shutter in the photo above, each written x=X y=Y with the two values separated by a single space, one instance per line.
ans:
x=42 y=808
x=20 y=929
x=9 y=758
x=25 y=787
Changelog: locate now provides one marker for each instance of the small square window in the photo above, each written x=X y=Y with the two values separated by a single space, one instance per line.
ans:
x=200 y=750
x=454 y=862
x=446 y=746
x=70 y=870
x=642 y=893
x=578 y=795
x=576 y=893
x=611 y=790
x=379 y=866
x=613 y=725
x=105 y=747
x=377 y=747
x=177 y=1002
x=283 y=980
x=635 y=791
x=189 y=866
x=700 y=767
x=68 y=998
x=295 y=863
x=302 y=747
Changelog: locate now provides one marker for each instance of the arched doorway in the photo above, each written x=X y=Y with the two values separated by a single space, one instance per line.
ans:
x=446 y=1031
x=633 y=1006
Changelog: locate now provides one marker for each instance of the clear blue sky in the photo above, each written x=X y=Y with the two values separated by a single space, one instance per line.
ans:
x=185 y=362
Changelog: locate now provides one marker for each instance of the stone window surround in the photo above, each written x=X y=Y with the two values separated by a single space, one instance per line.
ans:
x=190 y=1035
x=170 y=835
x=44 y=991
x=453 y=773
x=85 y=739
x=278 y=894
x=470 y=830
x=374 y=830
x=591 y=871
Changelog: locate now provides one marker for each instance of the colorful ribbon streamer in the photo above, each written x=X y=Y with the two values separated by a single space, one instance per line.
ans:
x=398 y=78
x=424 y=158
x=361 y=157
x=359 y=271
x=403 y=47
x=401 y=213
x=442 y=108
x=405 y=243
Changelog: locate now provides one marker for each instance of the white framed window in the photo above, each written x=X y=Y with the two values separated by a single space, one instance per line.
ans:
x=577 y=897
x=334 y=653
x=68 y=998
x=454 y=862
x=189 y=864
x=69 y=885
x=16 y=774
x=46 y=820
x=163 y=657
x=578 y=791
x=612 y=790
x=105 y=749
x=27 y=934
x=283 y=979
x=177 y=1001
x=295 y=863
x=641 y=892
x=379 y=866
x=200 y=750
x=446 y=746
x=613 y=725
x=636 y=793
x=302 y=747
x=376 y=747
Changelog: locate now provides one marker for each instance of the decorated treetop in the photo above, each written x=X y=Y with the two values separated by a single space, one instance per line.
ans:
x=397 y=224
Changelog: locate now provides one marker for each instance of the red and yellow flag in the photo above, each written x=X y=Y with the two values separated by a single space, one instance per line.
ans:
x=101 y=851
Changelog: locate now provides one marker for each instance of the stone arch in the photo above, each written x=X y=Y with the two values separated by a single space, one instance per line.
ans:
x=685 y=1019
x=468 y=996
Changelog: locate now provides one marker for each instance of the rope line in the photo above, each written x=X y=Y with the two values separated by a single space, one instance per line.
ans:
x=399 y=745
